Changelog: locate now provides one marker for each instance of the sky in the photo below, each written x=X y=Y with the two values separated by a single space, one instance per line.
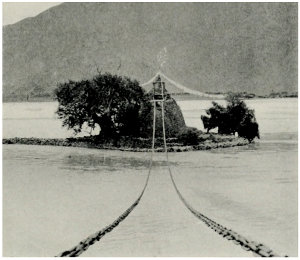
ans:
x=14 y=12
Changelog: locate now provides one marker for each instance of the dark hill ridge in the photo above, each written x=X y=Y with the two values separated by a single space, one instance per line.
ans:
x=214 y=47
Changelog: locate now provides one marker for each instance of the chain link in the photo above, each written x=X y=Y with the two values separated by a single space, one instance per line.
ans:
x=90 y=240
x=257 y=248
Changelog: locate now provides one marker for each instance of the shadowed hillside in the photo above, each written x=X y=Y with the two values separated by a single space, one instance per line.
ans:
x=210 y=46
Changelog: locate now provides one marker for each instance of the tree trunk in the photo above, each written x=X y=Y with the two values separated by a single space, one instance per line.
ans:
x=107 y=127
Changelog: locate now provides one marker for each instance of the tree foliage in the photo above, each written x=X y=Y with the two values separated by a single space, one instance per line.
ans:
x=235 y=117
x=110 y=101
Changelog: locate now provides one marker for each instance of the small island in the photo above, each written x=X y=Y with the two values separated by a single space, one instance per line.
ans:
x=208 y=141
x=124 y=112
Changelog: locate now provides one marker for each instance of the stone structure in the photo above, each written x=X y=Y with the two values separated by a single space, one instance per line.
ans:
x=174 y=121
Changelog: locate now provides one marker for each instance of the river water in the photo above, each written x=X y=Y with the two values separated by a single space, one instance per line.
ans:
x=53 y=197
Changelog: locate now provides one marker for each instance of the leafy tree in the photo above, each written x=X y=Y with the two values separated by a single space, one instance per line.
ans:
x=236 y=111
x=216 y=115
x=236 y=117
x=110 y=101
x=249 y=127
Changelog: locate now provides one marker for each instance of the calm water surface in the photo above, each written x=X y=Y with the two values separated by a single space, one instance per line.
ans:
x=56 y=196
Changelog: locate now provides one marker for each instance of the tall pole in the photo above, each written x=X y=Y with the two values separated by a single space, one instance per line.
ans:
x=160 y=97
x=154 y=120
x=163 y=119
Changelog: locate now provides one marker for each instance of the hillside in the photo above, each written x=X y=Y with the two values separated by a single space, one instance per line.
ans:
x=214 y=47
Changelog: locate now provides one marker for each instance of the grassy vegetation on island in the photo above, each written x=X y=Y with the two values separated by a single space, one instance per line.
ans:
x=207 y=142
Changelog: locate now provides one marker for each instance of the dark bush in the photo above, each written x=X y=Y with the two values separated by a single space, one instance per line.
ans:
x=249 y=127
x=189 y=136
x=236 y=117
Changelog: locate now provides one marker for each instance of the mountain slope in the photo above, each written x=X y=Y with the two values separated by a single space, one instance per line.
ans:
x=210 y=46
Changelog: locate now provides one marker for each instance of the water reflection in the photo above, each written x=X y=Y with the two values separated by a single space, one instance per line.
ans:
x=92 y=162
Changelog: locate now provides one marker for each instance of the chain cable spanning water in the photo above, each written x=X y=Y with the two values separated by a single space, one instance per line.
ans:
x=257 y=248
x=182 y=87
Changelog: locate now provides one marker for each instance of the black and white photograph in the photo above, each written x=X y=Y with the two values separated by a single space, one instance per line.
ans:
x=149 y=129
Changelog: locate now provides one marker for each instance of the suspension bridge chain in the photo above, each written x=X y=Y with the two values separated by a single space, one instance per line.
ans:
x=257 y=248
x=83 y=245
x=182 y=87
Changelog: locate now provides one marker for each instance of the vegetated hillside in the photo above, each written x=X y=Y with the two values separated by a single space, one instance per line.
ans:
x=214 y=47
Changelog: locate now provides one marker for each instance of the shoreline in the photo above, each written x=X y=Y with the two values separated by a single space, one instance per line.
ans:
x=227 y=142
x=177 y=98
